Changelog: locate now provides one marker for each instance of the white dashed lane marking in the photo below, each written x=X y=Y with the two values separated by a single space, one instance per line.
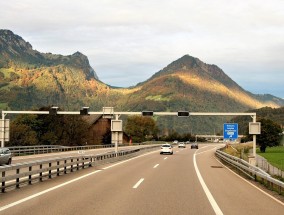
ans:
x=138 y=183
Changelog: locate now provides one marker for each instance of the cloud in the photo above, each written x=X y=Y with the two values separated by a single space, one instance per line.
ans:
x=135 y=39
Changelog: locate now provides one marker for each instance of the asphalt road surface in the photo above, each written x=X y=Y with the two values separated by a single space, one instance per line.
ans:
x=188 y=182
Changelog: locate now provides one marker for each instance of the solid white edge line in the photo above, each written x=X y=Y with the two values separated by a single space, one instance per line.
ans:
x=138 y=183
x=66 y=183
x=46 y=191
x=156 y=166
x=251 y=184
x=211 y=199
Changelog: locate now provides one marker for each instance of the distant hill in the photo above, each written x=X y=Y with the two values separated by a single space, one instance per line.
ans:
x=30 y=79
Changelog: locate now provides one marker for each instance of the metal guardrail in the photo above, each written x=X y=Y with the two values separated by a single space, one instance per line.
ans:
x=252 y=171
x=42 y=149
x=18 y=174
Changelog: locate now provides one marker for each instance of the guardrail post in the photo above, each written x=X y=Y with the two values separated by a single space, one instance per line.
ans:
x=49 y=172
x=18 y=179
x=30 y=175
x=71 y=164
x=40 y=174
x=77 y=163
x=3 y=182
x=65 y=168
x=58 y=162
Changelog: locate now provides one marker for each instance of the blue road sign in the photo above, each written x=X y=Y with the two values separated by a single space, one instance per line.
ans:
x=230 y=131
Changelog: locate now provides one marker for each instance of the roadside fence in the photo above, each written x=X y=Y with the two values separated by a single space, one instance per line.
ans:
x=262 y=163
x=251 y=171
x=20 y=174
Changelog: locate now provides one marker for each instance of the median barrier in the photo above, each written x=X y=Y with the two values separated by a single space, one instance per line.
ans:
x=20 y=174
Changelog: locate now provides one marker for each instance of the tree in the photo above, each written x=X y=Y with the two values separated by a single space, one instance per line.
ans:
x=141 y=128
x=270 y=134
x=22 y=135
x=47 y=129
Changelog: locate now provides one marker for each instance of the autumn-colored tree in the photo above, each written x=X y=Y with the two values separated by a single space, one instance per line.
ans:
x=22 y=135
x=141 y=128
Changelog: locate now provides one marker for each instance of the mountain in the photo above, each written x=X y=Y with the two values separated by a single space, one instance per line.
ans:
x=15 y=52
x=30 y=79
x=207 y=86
x=189 y=84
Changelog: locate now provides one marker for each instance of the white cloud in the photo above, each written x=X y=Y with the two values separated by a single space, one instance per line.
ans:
x=135 y=39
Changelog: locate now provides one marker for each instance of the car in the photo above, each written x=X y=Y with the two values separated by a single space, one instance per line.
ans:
x=175 y=142
x=181 y=145
x=194 y=145
x=166 y=148
x=5 y=156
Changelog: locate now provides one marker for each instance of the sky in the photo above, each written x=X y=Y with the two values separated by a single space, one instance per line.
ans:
x=127 y=41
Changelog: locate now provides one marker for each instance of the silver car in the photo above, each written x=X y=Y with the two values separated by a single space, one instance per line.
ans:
x=5 y=156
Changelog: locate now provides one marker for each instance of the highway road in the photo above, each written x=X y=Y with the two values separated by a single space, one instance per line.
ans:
x=188 y=182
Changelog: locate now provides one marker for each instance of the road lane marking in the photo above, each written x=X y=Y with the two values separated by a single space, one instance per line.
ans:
x=156 y=166
x=211 y=199
x=206 y=151
x=138 y=183
x=66 y=183
x=46 y=191
x=267 y=194
x=165 y=158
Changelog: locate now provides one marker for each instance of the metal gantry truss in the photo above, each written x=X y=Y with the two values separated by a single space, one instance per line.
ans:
x=108 y=111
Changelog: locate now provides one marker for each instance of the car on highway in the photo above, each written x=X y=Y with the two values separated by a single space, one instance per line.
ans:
x=5 y=156
x=181 y=145
x=194 y=145
x=166 y=148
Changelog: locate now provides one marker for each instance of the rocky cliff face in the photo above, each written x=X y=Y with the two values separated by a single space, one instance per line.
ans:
x=16 y=52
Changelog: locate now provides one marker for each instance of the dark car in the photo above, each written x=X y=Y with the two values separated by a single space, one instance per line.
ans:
x=194 y=145
x=5 y=156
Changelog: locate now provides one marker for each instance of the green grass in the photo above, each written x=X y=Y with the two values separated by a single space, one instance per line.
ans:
x=6 y=72
x=157 y=98
x=274 y=155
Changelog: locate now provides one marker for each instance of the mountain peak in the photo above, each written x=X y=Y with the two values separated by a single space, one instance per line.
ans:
x=8 y=38
x=14 y=50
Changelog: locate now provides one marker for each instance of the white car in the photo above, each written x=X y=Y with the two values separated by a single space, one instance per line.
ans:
x=181 y=145
x=166 y=148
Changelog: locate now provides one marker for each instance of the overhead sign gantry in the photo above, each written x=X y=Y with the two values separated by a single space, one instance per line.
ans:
x=108 y=112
